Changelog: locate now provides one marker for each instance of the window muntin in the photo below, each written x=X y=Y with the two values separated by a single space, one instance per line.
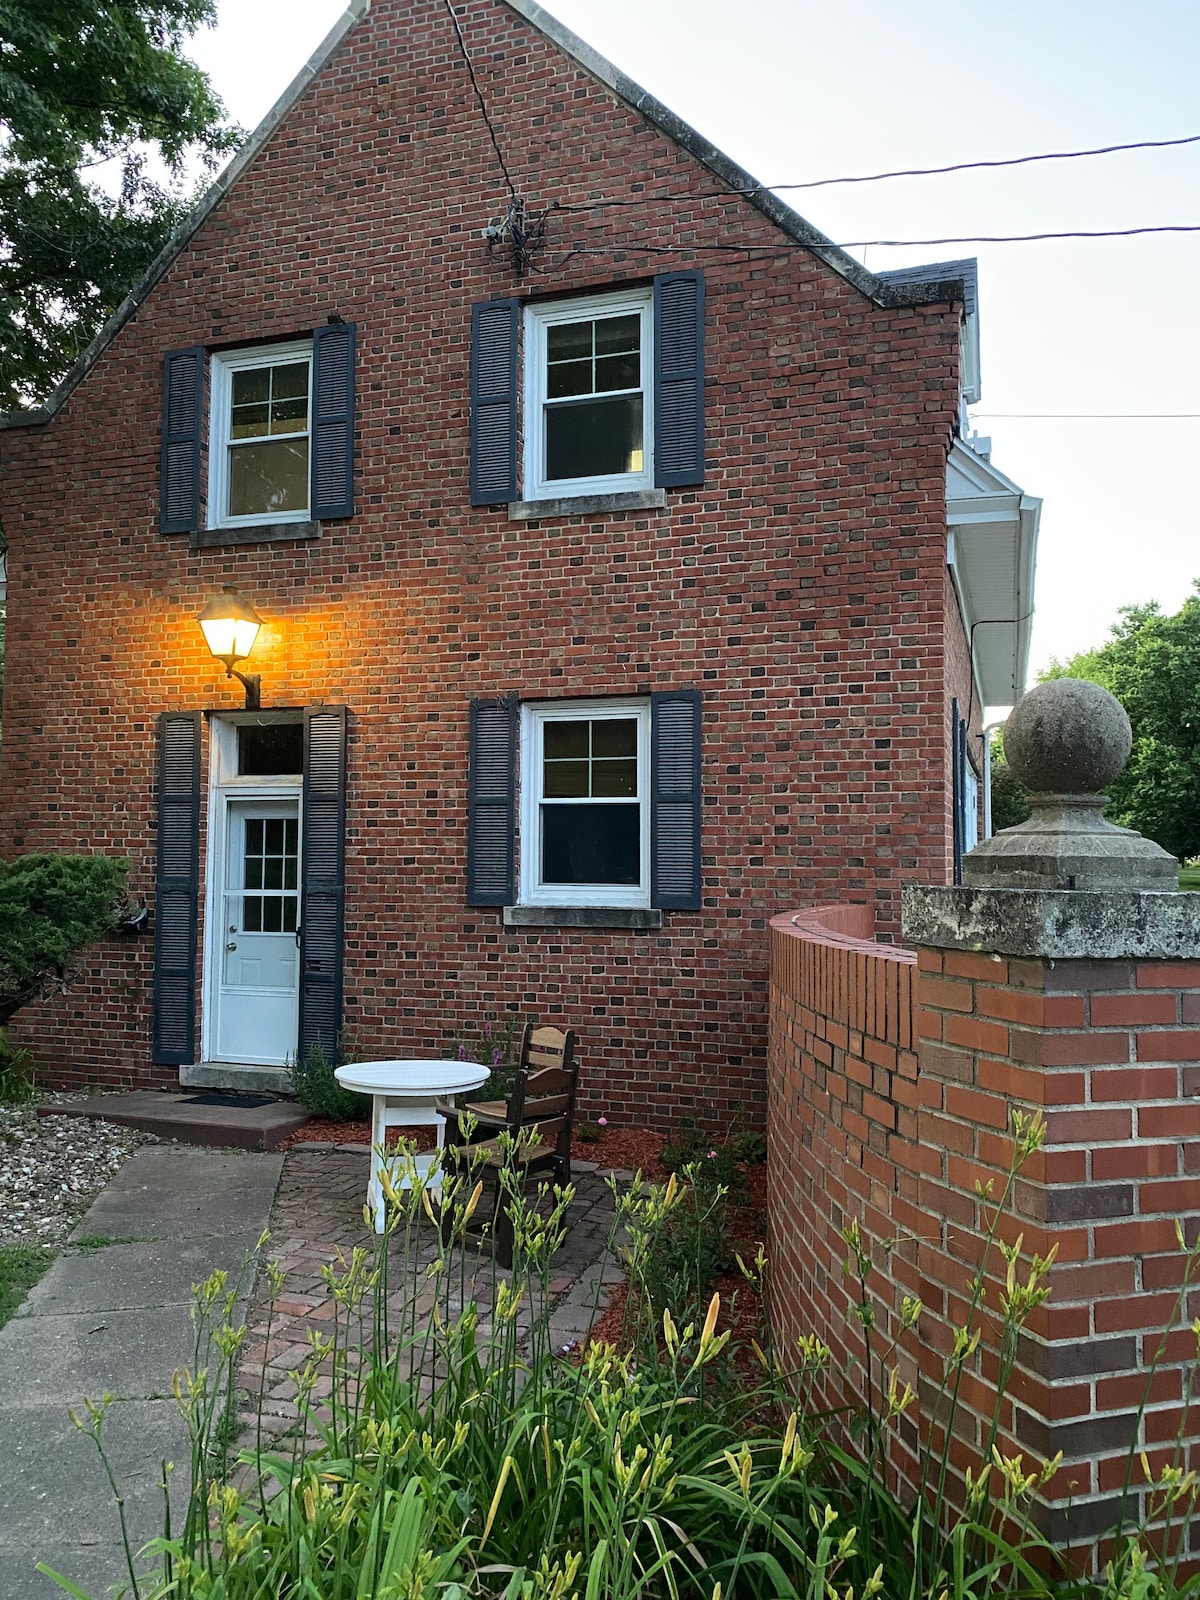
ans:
x=259 y=453
x=585 y=812
x=587 y=384
x=270 y=863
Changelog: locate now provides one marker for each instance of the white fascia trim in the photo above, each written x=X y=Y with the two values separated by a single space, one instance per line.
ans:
x=964 y=612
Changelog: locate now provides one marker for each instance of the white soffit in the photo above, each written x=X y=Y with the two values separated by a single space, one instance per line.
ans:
x=993 y=527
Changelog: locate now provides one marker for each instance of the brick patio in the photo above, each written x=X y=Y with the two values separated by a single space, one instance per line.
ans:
x=317 y=1222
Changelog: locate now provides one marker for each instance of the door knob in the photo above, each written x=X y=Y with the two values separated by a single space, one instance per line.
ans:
x=231 y=945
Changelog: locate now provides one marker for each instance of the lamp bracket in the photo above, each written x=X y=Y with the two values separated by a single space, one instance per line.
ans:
x=252 y=683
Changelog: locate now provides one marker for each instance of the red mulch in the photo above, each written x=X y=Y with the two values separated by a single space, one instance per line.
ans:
x=628 y=1148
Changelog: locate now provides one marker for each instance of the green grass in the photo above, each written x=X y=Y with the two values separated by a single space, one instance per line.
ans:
x=21 y=1265
x=101 y=1241
x=1189 y=877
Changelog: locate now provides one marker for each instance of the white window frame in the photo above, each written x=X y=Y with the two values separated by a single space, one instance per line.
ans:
x=224 y=365
x=538 y=318
x=534 y=717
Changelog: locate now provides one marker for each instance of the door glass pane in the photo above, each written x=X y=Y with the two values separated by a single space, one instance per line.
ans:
x=270 y=864
x=591 y=844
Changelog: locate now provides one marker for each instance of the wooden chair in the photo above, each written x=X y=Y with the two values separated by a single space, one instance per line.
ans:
x=542 y=1097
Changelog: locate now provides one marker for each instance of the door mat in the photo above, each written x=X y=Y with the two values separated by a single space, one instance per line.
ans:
x=241 y=1102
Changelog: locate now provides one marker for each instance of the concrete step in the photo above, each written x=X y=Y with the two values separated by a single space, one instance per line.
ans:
x=182 y=1117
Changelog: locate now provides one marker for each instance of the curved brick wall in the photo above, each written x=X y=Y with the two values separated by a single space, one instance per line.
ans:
x=842 y=1122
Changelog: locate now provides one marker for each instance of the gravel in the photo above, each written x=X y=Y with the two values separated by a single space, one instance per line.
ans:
x=52 y=1168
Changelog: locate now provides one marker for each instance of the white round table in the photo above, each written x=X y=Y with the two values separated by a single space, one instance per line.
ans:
x=405 y=1093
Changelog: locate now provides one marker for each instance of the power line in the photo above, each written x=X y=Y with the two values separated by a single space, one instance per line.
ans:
x=1008 y=161
x=483 y=111
x=905 y=172
x=1086 y=416
x=818 y=246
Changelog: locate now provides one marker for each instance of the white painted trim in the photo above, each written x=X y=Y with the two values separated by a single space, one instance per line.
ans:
x=539 y=317
x=224 y=364
x=533 y=717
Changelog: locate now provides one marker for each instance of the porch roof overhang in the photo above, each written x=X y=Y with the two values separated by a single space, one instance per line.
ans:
x=992 y=532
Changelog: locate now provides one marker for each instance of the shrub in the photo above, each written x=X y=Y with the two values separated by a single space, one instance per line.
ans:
x=316 y=1088
x=51 y=907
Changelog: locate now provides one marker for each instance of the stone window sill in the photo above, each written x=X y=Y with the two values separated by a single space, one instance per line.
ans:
x=582 y=917
x=253 y=533
x=586 y=505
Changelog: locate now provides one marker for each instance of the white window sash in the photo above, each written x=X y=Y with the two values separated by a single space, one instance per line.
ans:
x=533 y=720
x=224 y=365
x=538 y=318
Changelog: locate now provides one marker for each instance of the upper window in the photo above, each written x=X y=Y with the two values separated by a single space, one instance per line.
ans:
x=585 y=831
x=259 y=447
x=588 y=396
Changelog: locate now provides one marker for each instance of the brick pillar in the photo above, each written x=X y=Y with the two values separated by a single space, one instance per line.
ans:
x=1084 y=1007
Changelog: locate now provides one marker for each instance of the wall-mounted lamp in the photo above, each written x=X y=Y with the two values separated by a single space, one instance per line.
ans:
x=230 y=626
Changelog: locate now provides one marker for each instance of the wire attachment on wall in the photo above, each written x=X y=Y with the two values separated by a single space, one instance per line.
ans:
x=521 y=232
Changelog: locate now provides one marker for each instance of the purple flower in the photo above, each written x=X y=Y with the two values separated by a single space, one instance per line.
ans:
x=497 y=1055
x=712 y=1155
x=462 y=1052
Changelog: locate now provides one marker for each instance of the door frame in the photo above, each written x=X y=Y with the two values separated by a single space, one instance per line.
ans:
x=224 y=785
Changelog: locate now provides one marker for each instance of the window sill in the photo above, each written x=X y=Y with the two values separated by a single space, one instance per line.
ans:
x=253 y=533
x=586 y=505
x=582 y=917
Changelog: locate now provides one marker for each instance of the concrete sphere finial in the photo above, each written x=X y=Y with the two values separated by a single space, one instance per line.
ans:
x=1067 y=736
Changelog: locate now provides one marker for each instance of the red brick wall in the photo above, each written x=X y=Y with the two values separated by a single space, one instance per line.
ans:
x=841 y=1132
x=802 y=589
x=863 y=1129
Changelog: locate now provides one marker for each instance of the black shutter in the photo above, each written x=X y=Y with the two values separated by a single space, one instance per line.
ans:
x=494 y=402
x=675 y=800
x=183 y=393
x=176 y=903
x=323 y=878
x=491 y=803
x=332 y=465
x=678 y=379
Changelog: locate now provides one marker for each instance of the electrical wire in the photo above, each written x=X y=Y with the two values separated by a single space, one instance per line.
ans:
x=905 y=172
x=483 y=111
x=1087 y=416
x=819 y=246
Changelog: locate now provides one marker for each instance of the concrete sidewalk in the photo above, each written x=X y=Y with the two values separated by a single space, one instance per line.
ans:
x=114 y=1315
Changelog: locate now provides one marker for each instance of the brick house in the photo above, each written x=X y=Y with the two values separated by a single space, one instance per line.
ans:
x=611 y=595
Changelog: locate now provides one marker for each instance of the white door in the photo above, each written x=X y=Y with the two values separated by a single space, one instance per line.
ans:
x=258 y=960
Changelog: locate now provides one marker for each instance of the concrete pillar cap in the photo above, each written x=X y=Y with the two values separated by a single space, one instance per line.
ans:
x=1065 y=740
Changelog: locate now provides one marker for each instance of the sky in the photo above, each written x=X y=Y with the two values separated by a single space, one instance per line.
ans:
x=798 y=90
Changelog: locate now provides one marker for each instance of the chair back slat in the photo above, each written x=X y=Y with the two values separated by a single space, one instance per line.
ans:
x=548 y=1047
x=543 y=1106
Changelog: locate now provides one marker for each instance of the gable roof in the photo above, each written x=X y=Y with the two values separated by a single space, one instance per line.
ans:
x=911 y=286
